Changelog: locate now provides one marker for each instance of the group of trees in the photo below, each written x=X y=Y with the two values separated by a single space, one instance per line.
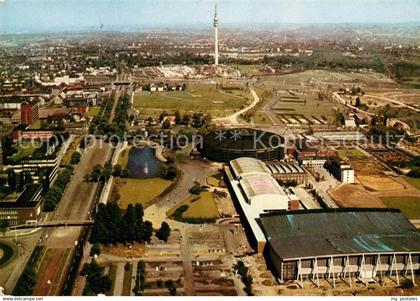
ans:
x=101 y=126
x=96 y=282
x=99 y=123
x=103 y=173
x=247 y=280
x=163 y=232
x=140 y=279
x=54 y=194
x=113 y=226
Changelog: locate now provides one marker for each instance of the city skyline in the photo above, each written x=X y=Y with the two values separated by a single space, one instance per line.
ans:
x=75 y=15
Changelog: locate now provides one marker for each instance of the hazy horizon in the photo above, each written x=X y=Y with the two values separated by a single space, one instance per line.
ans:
x=37 y=16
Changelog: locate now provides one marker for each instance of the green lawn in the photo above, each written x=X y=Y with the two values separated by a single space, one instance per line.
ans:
x=350 y=153
x=127 y=281
x=143 y=191
x=202 y=206
x=93 y=111
x=25 y=149
x=216 y=103
x=409 y=205
x=215 y=180
x=123 y=157
x=413 y=181
x=36 y=125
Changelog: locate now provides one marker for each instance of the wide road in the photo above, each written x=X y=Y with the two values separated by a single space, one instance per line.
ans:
x=75 y=204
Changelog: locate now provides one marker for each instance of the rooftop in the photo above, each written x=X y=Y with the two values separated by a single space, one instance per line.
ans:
x=316 y=233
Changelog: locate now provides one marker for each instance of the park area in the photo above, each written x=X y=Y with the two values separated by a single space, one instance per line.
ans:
x=132 y=191
x=200 y=206
x=217 y=103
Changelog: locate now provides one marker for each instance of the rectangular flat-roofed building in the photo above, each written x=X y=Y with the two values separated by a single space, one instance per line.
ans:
x=363 y=243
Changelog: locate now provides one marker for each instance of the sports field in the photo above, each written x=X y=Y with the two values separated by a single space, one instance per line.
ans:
x=409 y=205
x=215 y=103
x=293 y=108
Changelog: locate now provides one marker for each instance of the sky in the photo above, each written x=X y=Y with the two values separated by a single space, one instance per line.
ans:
x=78 y=15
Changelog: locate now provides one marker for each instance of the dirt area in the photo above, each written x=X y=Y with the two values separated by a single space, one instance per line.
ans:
x=355 y=195
x=132 y=250
x=373 y=180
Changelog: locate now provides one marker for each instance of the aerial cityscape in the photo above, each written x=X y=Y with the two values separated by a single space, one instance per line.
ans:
x=202 y=148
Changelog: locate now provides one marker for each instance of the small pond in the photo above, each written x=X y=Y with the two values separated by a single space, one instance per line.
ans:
x=142 y=163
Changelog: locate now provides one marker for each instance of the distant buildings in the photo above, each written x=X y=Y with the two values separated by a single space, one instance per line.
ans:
x=29 y=113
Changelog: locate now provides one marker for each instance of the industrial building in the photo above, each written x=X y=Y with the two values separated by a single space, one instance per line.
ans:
x=287 y=171
x=254 y=191
x=227 y=145
x=362 y=243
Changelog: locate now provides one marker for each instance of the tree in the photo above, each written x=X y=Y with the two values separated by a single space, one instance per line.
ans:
x=164 y=232
x=117 y=170
x=11 y=180
x=186 y=119
x=96 y=282
x=166 y=124
x=95 y=250
x=96 y=173
x=106 y=172
x=196 y=189
x=147 y=231
x=75 y=158
x=178 y=118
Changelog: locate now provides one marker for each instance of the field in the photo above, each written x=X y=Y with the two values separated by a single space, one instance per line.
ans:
x=410 y=206
x=93 y=111
x=198 y=206
x=350 y=153
x=413 y=181
x=293 y=108
x=373 y=182
x=132 y=191
x=216 y=103
x=7 y=252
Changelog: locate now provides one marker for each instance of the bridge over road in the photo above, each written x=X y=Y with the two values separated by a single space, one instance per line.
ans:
x=51 y=224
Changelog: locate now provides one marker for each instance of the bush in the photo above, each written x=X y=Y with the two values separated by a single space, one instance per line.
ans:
x=75 y=158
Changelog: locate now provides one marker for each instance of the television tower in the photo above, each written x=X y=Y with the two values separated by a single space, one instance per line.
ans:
x=216 y=37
